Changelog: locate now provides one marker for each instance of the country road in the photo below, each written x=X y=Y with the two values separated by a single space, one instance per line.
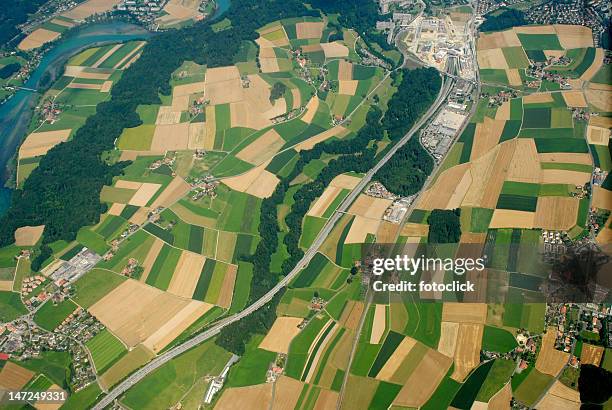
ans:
x=308 y=255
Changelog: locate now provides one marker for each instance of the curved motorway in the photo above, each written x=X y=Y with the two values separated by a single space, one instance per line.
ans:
x=137 y=376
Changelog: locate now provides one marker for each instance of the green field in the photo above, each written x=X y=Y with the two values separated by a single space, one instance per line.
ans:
x=536 y=118
x=163 y=267
x=469 y=390
x=137 y=138
x=515 y=57
x=166 y=385
x=531 y=388
x=540 y=41
x=105 y=349
x=253 y=365
x=11 y=306
x=497 y=377
x=50 y=316
x=491 y=75
x=298 y=351
x=95 y=285
x=498 y=340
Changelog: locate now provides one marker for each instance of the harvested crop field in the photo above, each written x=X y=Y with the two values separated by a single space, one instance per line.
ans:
x=335 y=50
x=602 y=198
x=498 y=39
x=255 y=397
x=345 y=181
x=378 y=323
x=598 y=135
x=175 y=190
x=149 y=260
x=14 y=377
x=448 y=338
x=186 y=274
x=39 y=143
x=369 y=207
x=492 y=58
x=447 y=185
x=595 y=67
x=537 y=98
x=309 y=30
x=287 y=393
x=560 y=397
x=396 y=359
x=311 y=110
x=262 y=149
x=514 y=77
x=360 y=229
x=144 y=194
x=591 y=354
x=227 y=287
x=37 y=38
x=351 y=315
x=89 y=8
x=574 y=36
x=244 y=114
x=345 y=70
x=509 y=218
x=139 y=313
x=324 y=201
x=28 y=235
x=464 y=312
x=574 y=99
x=348 y=87
x=199 y=138
x=414 y=229
x=566 y=158
x=170 y=137
x=125 y=365
x=424 y=380
x=550 y=361
x=467 y=350
x=281 y=334
x=562 y=176
x=167 y=116
x=257 y=182
x=486 y=137
x=556 y=213
x=601 y=99
x=525 y=164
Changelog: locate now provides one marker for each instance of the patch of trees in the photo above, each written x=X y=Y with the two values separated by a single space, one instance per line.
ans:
x=507 y=18
x=277 y=91
x=594 y=385
x=444 y=226
x=417 y=90
x=358 y=14
x=14 y=13
x=63 y=193
x=356 y=154
x=9 y=69
x=406 y=172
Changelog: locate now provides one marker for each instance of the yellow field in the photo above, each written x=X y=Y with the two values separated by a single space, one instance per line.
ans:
x=448 y=338
x=39 y=143
x=28 y=235
x=262 y=149
x=591 y=354
x=467 y=350
x=186 y=274
x=396 y=359
x=560 y=397
x=257 y=182
x=464 y=312
x=556 y=213
x=14 y=377
x=281 y=334
x=257 y=397
x=550 y=360
x=379 y=324
x=37 y=38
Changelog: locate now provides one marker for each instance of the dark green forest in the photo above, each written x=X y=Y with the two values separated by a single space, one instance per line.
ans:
x=508 y=18
x=444 y=226
x=14 y=13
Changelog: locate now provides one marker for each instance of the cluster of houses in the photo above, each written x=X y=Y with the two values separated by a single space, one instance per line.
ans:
x=22 y=340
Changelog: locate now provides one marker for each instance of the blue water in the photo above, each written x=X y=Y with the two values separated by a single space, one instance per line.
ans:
x=222 y=6
x=16 y=113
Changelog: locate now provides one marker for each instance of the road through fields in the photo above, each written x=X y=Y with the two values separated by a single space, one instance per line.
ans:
x=308 y=255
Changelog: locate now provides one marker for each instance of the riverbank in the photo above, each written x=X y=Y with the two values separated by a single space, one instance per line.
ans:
x=16 y=113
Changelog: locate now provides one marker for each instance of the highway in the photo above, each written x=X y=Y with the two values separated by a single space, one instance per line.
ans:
x=308 y=255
